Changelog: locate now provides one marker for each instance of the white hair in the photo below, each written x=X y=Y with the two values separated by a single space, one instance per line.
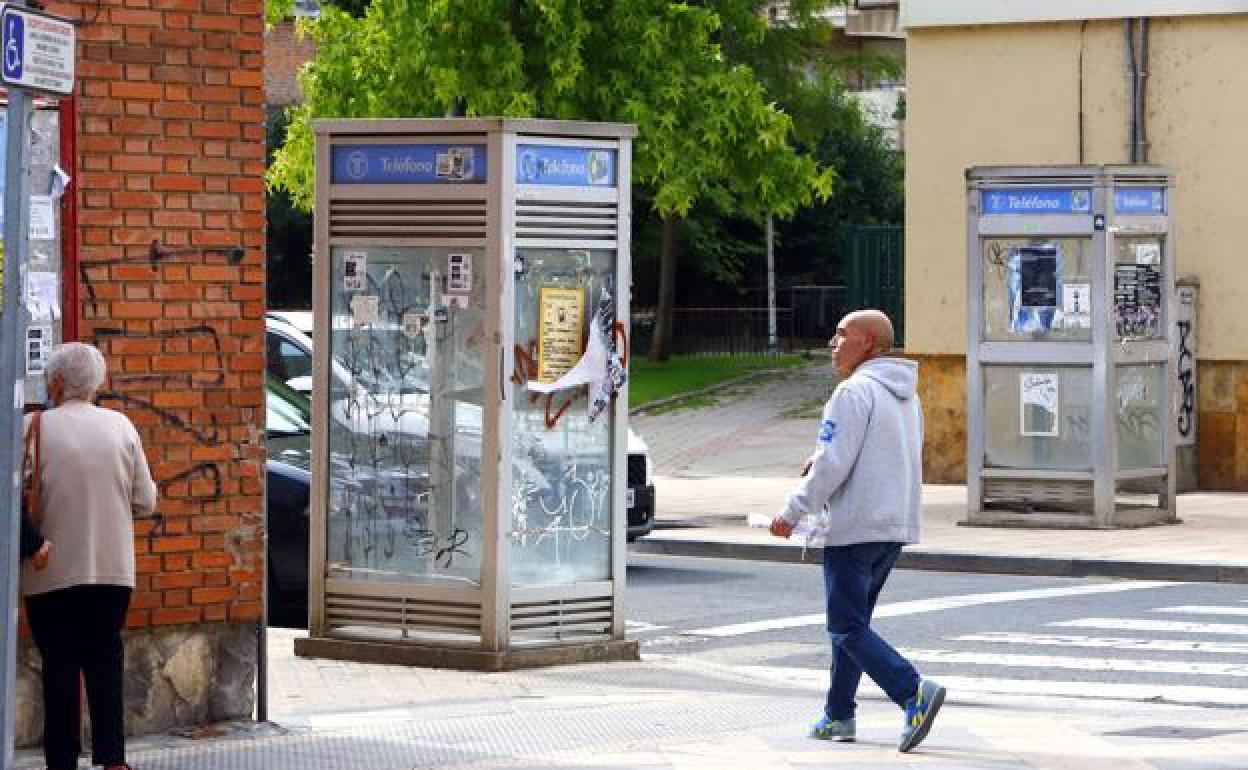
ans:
x=80 y=369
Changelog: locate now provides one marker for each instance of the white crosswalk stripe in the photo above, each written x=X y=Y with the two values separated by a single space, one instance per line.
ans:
x=1051 y=662
x=1164 y=626
x=1202 y=610
x=1115 y=643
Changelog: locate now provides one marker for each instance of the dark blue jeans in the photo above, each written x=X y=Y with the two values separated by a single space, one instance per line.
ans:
x=853 y=576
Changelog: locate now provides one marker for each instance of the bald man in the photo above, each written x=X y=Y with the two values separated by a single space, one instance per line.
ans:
x=864 y=484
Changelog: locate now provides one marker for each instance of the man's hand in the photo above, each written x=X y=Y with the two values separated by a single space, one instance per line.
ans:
x=781 y=528
x=806 y=465
x=40 y=558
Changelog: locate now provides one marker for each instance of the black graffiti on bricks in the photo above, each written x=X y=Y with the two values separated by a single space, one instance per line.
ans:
x=208 y=438
x=156 y=254
x=216 y=376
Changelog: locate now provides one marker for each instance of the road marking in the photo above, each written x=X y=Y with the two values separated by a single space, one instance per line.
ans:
x=1192 y=609
x=1078 y=664
x=1146 y=645
x=816 y=680
x=1170 y=626
x=642 y=627
x=917 y=606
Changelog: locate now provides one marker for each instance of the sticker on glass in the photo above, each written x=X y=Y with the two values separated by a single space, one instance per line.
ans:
x=459 y=272
x=355 y=271
x=414 y=324
x=1147 y=253
x=1037 y=404
x=365 y=309
x=1076 y=305
x=1033 y=285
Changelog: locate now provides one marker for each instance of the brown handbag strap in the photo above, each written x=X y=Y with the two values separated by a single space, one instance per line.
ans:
x=30 y=468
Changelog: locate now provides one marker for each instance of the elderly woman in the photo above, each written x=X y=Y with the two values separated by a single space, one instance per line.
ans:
x=93 y=479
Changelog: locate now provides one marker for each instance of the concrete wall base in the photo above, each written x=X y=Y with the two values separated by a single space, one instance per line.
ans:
x=403 y=654
x=175 y=677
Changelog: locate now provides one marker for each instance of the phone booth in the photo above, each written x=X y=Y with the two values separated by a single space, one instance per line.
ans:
x=469 y=407
x=1070 y=355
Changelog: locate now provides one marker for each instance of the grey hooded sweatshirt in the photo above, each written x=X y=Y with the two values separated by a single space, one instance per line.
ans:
x=867 y=473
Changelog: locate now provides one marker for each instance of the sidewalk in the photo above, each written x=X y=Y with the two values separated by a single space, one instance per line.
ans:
x=667 y=713
x=706 y=517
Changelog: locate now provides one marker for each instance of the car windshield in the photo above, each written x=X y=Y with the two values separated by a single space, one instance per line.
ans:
x=287 y=412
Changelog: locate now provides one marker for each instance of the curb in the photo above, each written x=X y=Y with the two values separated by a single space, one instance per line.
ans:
x=966 y=561
x=636 y=410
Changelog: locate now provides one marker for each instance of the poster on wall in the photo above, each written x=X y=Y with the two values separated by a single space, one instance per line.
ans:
x=560 y=324
x=1037 y=404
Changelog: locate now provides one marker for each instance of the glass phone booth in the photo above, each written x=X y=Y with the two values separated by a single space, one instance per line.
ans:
x=470 y=415
x=1070 y=359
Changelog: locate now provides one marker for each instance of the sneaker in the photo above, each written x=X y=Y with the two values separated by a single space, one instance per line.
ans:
x=833 y=729
x=920 y=713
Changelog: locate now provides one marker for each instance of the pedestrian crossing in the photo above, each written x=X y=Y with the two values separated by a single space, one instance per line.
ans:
x=1185 y=654
x=1175 y=653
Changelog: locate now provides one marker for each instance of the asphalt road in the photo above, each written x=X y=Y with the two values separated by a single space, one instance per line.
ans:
x=1091 y=638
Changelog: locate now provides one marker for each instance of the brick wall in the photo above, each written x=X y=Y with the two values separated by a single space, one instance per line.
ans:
x=284 y=53
x=170 y=120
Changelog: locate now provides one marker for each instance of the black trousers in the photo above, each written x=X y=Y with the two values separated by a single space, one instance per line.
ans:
x=78 y=632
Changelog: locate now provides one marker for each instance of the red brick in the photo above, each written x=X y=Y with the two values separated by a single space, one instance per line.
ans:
x=180 y=182
x=177 y=219
x=145 y=163
x=176 y=616
x=220 y=93
x=136 y=90
x=212 y=595
x=178 y=580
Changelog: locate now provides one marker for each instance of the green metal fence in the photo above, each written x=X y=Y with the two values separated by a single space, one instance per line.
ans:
x=875 y=271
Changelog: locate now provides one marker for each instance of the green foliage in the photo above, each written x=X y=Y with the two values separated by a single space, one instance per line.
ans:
x=707 y=128
x=288 y=237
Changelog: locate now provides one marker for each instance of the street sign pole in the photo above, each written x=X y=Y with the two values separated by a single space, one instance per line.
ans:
x=16 y=193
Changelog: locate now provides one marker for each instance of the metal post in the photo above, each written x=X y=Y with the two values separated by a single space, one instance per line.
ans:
x=771 y=288
x=16 y=194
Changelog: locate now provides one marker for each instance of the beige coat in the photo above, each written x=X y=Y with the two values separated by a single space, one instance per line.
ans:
x=94 y=480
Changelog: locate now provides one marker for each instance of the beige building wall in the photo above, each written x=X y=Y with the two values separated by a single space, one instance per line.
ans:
x=1010 y=94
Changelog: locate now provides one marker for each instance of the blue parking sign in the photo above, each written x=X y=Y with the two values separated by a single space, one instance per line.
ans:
x=14 y=44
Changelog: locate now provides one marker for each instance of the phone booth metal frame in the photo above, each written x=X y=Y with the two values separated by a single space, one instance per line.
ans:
x=456 y=261
x=1071 y=341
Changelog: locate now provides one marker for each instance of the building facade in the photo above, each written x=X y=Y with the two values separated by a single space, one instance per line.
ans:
x=1032 y=82
x=161 y=236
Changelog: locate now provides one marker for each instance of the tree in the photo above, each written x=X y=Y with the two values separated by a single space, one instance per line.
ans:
x=706 y=128
x=288 y=237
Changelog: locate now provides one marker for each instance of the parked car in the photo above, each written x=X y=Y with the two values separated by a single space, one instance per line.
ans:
x=289 y=354
x=288 y=471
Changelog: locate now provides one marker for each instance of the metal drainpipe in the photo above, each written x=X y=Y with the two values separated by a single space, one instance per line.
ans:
x=1141 y=129
x=1128 y=29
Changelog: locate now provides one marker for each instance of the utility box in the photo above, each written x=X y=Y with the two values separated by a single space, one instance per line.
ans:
x=1071 y=347
x=469 y=407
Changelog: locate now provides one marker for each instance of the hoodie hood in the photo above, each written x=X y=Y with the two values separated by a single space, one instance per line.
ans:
x=899 y=375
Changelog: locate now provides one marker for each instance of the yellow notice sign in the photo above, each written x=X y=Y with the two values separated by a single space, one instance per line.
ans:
x=560 y=324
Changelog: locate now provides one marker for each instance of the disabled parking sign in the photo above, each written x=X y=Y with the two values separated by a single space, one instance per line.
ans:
x=36 y=51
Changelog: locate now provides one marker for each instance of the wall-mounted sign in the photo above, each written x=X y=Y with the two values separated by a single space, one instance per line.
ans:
x=565 y=166
x=561 y=328
x=1037 y=200
x=38 y=51
x=407 y=164
x=1140 y=200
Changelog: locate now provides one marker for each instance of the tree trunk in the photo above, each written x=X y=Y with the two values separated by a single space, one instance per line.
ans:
x=661 y=339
